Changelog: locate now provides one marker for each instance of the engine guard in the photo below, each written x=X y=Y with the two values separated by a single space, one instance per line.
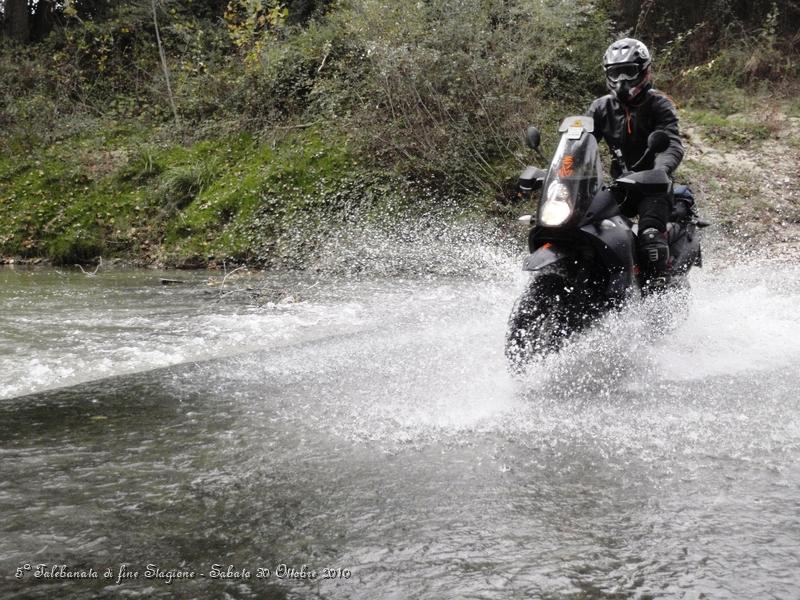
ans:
x=545 y=255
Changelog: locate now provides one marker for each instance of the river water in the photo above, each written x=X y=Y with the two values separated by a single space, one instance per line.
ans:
x=365 y=424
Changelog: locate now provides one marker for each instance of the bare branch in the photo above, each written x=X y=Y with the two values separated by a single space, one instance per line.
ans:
x=164 y=65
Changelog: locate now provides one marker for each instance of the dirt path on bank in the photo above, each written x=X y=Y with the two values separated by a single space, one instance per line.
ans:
x=745 y=170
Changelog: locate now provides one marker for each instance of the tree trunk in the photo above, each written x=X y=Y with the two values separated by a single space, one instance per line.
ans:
x=17 y=20
x=43 y=19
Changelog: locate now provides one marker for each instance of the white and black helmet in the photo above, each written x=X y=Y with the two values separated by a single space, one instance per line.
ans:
x=627 y=67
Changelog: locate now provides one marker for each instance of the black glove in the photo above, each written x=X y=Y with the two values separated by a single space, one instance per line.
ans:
x=659 y=164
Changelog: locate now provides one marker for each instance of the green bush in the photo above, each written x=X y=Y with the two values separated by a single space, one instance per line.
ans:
x=735 y=59
x=181 y=184
x=447 y=88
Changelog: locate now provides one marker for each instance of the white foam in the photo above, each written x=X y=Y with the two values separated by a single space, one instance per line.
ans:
x=744 y=318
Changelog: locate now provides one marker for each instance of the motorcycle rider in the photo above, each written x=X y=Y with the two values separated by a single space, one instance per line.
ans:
x=624 y=118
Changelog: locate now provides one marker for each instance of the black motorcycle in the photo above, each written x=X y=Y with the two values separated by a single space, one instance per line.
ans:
x=582 y=248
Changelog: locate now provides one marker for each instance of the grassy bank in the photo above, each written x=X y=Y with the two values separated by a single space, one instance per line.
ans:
x=120 y=194
x=235 y=198
x=241 y=198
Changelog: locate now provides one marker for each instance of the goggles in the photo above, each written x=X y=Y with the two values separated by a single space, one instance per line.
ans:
x=623 y=72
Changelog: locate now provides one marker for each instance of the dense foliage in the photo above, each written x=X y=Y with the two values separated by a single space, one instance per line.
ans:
x=433 y=93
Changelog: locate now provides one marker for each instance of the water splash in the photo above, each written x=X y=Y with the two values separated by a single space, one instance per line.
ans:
x=437 y=244
x=428 y=367
x=743 y=318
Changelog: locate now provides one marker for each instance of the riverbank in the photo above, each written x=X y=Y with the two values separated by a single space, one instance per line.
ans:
x=230 y=133
x=127 y=196
x=134 y=200
x=744 y=169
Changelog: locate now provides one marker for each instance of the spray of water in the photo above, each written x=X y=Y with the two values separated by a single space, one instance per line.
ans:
x=403 y=329
x=427 y=367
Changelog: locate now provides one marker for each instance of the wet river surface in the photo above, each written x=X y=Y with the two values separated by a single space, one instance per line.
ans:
x=366 y=428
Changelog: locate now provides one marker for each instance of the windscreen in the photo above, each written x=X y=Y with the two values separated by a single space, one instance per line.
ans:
x=576 y=157
x=576 y=167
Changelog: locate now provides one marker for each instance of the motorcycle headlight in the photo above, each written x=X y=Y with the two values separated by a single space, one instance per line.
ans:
x=557 y=207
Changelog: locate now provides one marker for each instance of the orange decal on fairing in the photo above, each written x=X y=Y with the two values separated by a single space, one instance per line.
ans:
x=566 y=166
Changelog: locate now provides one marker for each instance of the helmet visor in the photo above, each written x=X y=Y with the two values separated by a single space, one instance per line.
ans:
x=623 y=72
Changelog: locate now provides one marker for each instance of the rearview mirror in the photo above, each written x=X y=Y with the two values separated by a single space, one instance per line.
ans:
x=533 y=138
x=658 y=141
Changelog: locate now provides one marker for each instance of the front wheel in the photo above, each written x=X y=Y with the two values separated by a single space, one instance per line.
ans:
x=540 y=320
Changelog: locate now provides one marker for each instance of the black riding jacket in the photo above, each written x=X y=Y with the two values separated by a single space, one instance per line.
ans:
x=626 y=128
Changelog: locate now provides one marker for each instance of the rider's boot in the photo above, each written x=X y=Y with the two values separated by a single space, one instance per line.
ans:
x=653 y=257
